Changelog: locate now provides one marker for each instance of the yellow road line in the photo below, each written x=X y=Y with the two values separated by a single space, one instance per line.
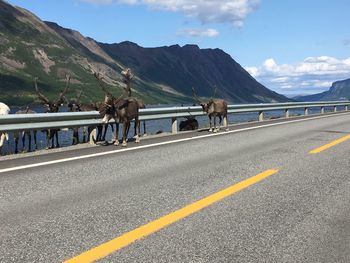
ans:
x=329 y=145
x=126 y=239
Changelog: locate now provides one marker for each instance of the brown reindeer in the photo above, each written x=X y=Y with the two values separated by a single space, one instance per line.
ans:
x=122 y=110
x=74 y=105
x=128 y=76
x=190 y=124
x=214 y=108
x=52 y=107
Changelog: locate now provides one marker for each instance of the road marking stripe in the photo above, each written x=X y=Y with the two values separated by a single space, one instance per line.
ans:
x=329 y=145
x=159 y=144
x=126 y=239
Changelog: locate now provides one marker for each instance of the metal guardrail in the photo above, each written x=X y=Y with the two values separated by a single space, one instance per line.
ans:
x=41 y=121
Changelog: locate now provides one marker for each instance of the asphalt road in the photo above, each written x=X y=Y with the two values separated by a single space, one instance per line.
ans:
x=57 y=211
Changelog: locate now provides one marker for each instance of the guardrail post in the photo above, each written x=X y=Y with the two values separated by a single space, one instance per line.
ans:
x=174 y=125
x=287 y=113
x=322 y=110
x=335 y=109
x=261 y=115
x=306 y=111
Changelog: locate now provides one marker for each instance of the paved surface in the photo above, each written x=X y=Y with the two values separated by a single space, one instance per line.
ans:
x=301 y=214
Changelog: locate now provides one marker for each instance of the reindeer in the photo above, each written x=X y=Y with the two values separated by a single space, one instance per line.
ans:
x=190 y=124
x=52 y=107
x=214 y=108
x=4 y=110
x=74 y=105
x=23 y=134
x=122 y=110
x=128 y=76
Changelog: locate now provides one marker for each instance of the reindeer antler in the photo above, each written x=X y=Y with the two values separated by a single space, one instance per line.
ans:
x=40 y=95
x=60 y=97
x=127 y=74
x=128 y=77
x=195 y=96
x=79 y=94
x=214 y=94
x=102 y=86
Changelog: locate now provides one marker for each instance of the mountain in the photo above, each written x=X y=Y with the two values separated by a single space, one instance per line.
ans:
x=32 y=48
x=339 y=90
x=181 y=68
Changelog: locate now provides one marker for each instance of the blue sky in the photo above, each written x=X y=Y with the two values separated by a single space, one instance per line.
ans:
x=292 y=47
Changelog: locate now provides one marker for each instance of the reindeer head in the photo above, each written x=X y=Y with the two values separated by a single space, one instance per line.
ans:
x=127 y=75
x=206 y=106
x=74 y=105
x=108 y=110
x=52 y=106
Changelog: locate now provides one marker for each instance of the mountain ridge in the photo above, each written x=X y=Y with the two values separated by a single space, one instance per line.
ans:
x=340 y=90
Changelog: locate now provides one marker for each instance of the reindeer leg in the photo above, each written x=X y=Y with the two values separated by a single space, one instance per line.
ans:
x=113 y=136
x=75 y=137
x=210 y=128
x=58 y=144
x=23 y=139
x=226 y=123
x=137 y=129
x=35 y=139
x=104 y=132
x=52 y=140
x=144 y=128
x=98 y=132
x=48 y=135
x=220 y=121
x=16 y=145
x=116 y=134
x=127 y=131
x=136 y=124
x=29 y=142
x=215 y=129
x=88 y=130
x=126 y=125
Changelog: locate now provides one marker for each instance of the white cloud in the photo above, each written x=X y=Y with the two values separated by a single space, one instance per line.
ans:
x=312 y=75
x=196 y=32
x=254 y=71
x=218 y=11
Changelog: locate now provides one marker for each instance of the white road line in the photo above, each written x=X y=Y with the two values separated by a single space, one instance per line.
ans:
x=159 y=144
